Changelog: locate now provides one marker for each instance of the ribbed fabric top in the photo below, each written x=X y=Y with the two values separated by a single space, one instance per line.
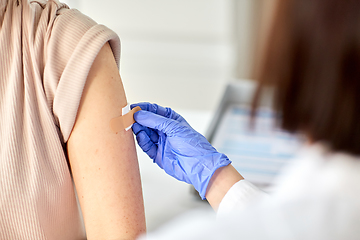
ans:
x=46 y=53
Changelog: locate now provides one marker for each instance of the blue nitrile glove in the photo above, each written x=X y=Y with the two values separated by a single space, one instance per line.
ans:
x=177 y=148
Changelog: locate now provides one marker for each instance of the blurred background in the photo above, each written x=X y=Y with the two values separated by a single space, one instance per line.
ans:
x=180 y=53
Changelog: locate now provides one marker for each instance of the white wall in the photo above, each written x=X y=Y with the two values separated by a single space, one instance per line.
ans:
x=178 y=53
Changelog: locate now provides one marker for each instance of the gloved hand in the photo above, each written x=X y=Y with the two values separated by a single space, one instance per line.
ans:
x=177 y=148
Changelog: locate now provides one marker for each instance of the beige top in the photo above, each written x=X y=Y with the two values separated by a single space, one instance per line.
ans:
x=46 y=53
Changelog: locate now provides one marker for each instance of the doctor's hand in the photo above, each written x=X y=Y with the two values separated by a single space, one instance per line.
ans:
x=176 y=147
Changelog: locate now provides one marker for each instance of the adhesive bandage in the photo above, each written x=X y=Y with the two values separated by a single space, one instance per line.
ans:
x=125 y=121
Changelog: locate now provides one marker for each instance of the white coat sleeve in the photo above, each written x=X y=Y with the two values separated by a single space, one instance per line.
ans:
x=239 y=196
x=202 y=225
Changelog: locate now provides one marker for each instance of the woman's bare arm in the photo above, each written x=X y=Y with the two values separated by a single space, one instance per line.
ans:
x=104 y=164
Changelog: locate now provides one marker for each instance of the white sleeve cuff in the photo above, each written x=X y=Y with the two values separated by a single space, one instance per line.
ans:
x=239 y=196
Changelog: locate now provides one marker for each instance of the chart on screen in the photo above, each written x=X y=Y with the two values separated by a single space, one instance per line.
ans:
x=258 y=153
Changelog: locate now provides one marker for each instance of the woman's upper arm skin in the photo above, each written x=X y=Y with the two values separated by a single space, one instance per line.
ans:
x=103 y=163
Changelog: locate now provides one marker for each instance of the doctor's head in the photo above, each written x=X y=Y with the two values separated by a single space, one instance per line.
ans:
x=312 y=57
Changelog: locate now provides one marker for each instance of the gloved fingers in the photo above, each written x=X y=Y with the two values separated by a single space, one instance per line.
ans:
x=155 y=121
x=143 y=105
x=165 y=112
x=150 y=132
x=153 y=135
x=146 y=144
x=162 y=111
x=168 y=112
x=154 y=108
x=137 y=128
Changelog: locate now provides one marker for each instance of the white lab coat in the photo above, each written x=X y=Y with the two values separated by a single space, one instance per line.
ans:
x=317 y=197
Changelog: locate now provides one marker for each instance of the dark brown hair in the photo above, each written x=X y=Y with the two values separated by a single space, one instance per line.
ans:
x=312 y=58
